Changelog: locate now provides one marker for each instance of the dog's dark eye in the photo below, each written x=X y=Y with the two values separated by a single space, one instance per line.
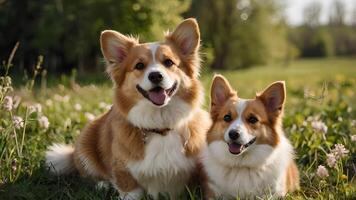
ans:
x=168 y=63
x=227 y=118
x=252 y=120
x=139 y=66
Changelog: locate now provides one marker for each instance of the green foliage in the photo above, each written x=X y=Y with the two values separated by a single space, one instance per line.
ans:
x=344 y=39
x=67 y=32
x=315 y=39
x=241 y=33
x=321 y=44
x=313 y=42
x=235 y=33
x=313 y=147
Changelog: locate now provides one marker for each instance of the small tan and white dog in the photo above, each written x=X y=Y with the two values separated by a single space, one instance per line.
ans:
x=152 y=136
x=247 y=154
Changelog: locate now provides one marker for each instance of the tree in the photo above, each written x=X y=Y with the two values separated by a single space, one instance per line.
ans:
x=67 y=32
x=353 y=15
x=337 y=14
x=239 y=32
x=312 y=13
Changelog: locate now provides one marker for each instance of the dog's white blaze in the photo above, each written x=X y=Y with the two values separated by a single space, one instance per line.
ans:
x=153 y=47
x=154 y=66
x=240 y=107
x=165 y=167
x=239 y=124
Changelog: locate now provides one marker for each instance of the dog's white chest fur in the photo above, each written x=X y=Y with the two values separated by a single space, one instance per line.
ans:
x=165 y=167
x=145 y=115
x=259 y=173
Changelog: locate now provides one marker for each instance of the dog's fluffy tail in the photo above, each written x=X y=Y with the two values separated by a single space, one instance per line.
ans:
x=59 y=158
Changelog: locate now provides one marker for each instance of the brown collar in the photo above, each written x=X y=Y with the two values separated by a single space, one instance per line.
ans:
x=162 y=132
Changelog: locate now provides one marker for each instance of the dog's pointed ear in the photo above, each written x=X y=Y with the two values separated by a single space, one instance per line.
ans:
x=186 y=36
x=273 y=97
x=221 y=91
x=115 y=46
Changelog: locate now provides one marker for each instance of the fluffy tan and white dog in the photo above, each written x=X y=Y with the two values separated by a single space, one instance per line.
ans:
x=150 y=139
x=247 y=154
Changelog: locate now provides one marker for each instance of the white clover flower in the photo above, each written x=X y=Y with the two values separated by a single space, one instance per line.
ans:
x=319 y=126
x=310 y=118
x=108 y=107
x=349 y=109
x=49 y=102
x=305 y=123
x=43 y=122
x=353 y=123
x=89 y=116
x=67 y=123
x=18 y=122
x=322 y=172
x=8 y=103
x=60 y=98
x=339 y=151
x=17 y=101
x=57 y=97
x=353 y=138
x=77 y=107
x=102 y=105
x=65 y=98
x=105 y=106
x=36 y=108
x=331 y=160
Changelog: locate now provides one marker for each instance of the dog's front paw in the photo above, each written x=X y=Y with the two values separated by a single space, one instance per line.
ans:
x=102 y=185
x=132 y=195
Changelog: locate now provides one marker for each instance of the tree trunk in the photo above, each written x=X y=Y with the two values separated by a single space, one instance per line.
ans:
x=221 y=40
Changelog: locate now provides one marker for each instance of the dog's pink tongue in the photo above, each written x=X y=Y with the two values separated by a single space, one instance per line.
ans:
x=235 y=148
x=157 y=97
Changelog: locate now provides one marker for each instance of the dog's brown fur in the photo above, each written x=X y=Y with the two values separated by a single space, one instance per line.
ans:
x=268 y=107
x=107 y=144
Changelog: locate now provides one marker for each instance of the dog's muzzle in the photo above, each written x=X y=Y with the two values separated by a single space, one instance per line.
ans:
x=158 y=95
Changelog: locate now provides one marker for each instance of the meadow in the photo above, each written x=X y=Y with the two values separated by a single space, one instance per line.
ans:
x=319 y=119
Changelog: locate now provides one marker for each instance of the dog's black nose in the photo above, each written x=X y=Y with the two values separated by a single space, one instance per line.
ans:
x=155 y=77
x=234 y=134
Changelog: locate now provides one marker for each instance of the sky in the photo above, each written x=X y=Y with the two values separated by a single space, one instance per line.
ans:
x=294 y=10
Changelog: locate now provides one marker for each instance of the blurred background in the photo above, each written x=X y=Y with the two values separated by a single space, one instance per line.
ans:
x=235 y=33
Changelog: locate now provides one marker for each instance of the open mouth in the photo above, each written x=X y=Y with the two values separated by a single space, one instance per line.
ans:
x=236 y=148
x=158 y=95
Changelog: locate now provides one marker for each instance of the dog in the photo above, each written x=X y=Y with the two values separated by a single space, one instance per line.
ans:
x=248 y=155
x=151 y=138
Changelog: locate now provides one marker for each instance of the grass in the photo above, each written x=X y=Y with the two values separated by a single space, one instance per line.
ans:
x=319 y=90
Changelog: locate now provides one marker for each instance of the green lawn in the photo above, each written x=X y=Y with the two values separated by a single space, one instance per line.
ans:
x=320 y=90
x=307 y=73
